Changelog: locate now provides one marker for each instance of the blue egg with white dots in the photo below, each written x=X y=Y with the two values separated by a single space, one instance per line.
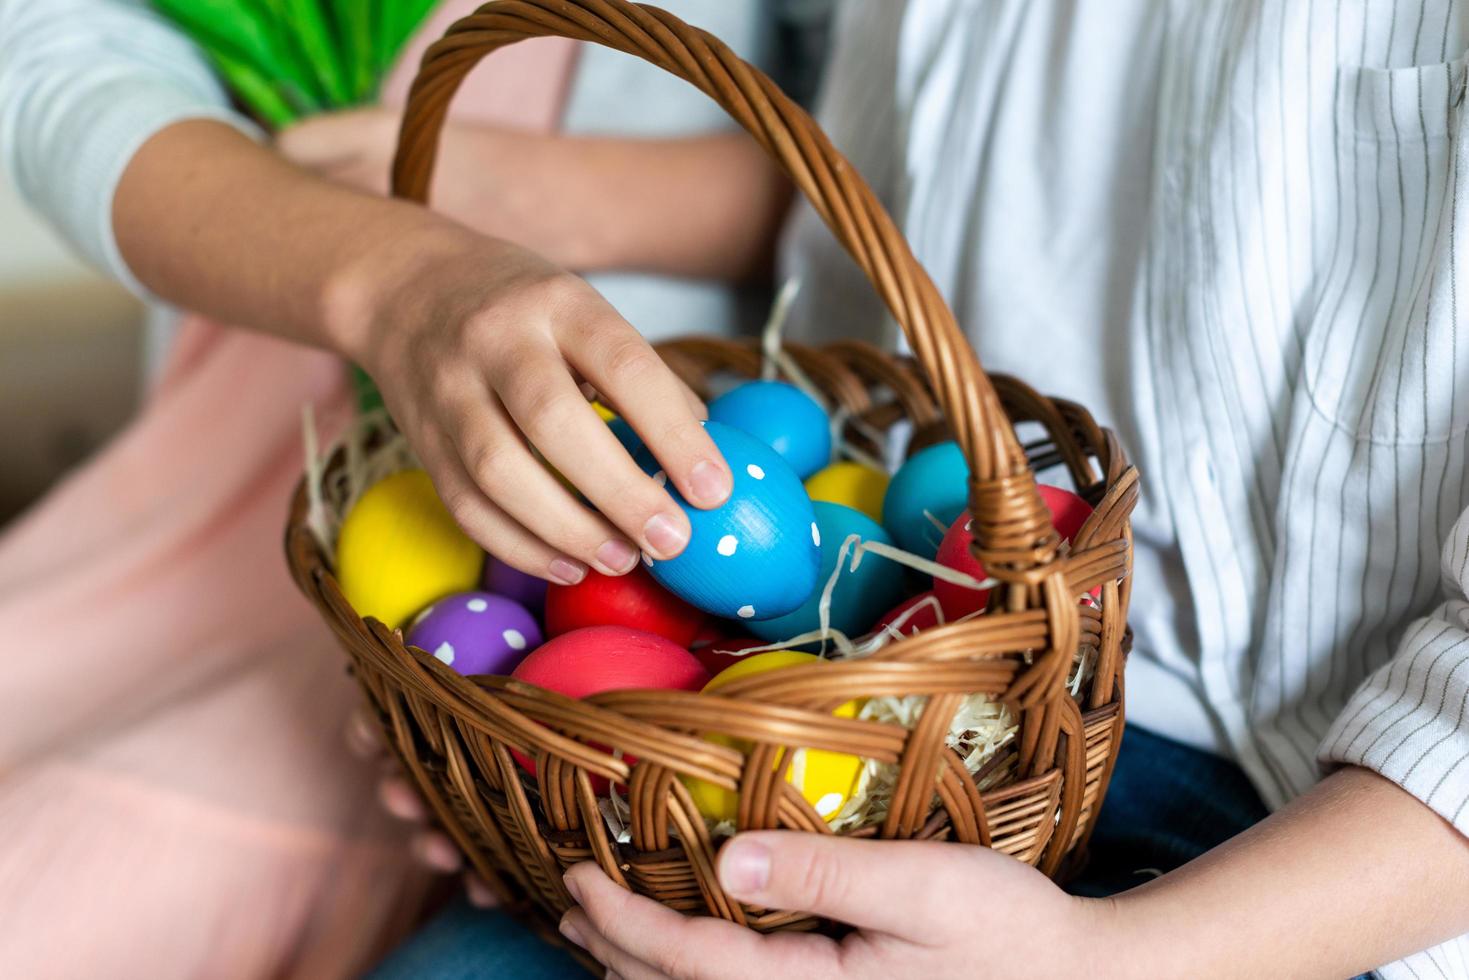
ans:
x=927 y=493
x=755 y=556
x=859 y=598
x=783 y=417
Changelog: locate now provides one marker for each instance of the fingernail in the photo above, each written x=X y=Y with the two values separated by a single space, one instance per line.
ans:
x=566 y=571
x=665 y=538
x=480 y=895
x=400 y=799
x=569 y=931
x=571 y=887
x=744 y=868
x=710 y=483
x=437 y=852
x=617 y=557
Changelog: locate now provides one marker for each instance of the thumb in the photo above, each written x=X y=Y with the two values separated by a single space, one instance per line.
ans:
x=896 y=887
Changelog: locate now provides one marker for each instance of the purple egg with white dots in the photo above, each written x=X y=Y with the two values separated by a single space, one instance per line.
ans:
x=757 y=555
x=512 y=583
x=476 y=632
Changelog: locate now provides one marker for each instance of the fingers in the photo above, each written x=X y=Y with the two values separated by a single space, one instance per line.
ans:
x=619 y=363
x=485 y=522
x=480 y=895
x=504 y=469
x=337 y=139
x=577 y=928
x=362 y=737
x=549 y=407
x=888 y=886
x=436 y=852
x=399 y=798
x=629 y=933
x=696 y=404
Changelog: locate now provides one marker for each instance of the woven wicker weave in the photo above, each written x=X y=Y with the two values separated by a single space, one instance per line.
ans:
x=454 y=734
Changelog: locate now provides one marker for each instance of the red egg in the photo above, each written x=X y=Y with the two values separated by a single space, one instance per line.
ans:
x=954 y=552
x=634 y=600
x=925 y=618
x=720 y=654
x=608 y=658
x=1068 y=513
x=713 y=631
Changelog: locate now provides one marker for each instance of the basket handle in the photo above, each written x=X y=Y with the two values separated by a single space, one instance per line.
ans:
x=1012 y=526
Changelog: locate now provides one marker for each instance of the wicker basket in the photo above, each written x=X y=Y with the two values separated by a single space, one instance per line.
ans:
x=454 y=734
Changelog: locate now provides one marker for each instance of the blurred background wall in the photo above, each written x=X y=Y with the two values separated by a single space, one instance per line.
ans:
x=70 y=357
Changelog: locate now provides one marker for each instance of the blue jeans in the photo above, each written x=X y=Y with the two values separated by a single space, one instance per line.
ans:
x=1167 y=804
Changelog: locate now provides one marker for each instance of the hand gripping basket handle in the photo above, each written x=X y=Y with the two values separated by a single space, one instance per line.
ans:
x=1012 y=527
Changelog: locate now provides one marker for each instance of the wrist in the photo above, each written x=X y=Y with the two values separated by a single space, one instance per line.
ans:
x=388 y=261
x=1119 y=940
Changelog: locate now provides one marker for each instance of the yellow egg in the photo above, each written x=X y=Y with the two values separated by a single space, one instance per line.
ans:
x=825 y=779
x=853 y=485
x=399 y=550
x=606 y=414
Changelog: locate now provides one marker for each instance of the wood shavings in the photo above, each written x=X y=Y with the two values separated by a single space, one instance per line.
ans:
x=980 y=728
x=372 y=447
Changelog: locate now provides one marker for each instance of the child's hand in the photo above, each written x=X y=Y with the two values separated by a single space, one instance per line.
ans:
x=434 y=850
x=922 y=909
x=480 y=349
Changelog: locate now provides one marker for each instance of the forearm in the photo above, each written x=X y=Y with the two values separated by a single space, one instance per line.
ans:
x=215 y=223
x=1355 y=874
x=704 y=206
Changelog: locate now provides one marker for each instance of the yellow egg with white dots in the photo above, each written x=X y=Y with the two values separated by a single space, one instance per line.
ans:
x=399 y=550
x=826 y=779
x=854 y=485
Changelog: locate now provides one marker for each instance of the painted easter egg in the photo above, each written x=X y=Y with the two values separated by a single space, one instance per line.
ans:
x=858 y=597
x=713 y=630
x=625 y=435
x=783 y=417
x=954 y=552
x=826 y=779
x=633 y=600
x=854 y=485
x=399 y=550
x=476 y=632
x=608 y=658
x=512 y=583
x=924 y=497
x=619 y=427
x=755 y=556
x=913 y=615
x=1068 y=513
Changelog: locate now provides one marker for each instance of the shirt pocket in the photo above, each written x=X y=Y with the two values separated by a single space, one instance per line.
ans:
x=1381 y=358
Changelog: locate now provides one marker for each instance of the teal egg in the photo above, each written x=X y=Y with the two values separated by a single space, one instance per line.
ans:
x=860 y=597
x=755 y=556
x=783 y=417
x=934 y=481
x=630 y=440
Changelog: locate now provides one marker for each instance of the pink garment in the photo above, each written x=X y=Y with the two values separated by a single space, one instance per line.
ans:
x=175 y=796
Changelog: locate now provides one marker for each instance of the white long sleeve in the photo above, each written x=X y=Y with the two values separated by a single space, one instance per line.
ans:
x=1236 y=232
x=1409 y=720
x=83 y=85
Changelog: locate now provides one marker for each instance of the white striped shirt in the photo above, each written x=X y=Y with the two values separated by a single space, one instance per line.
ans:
x=1237 y=231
